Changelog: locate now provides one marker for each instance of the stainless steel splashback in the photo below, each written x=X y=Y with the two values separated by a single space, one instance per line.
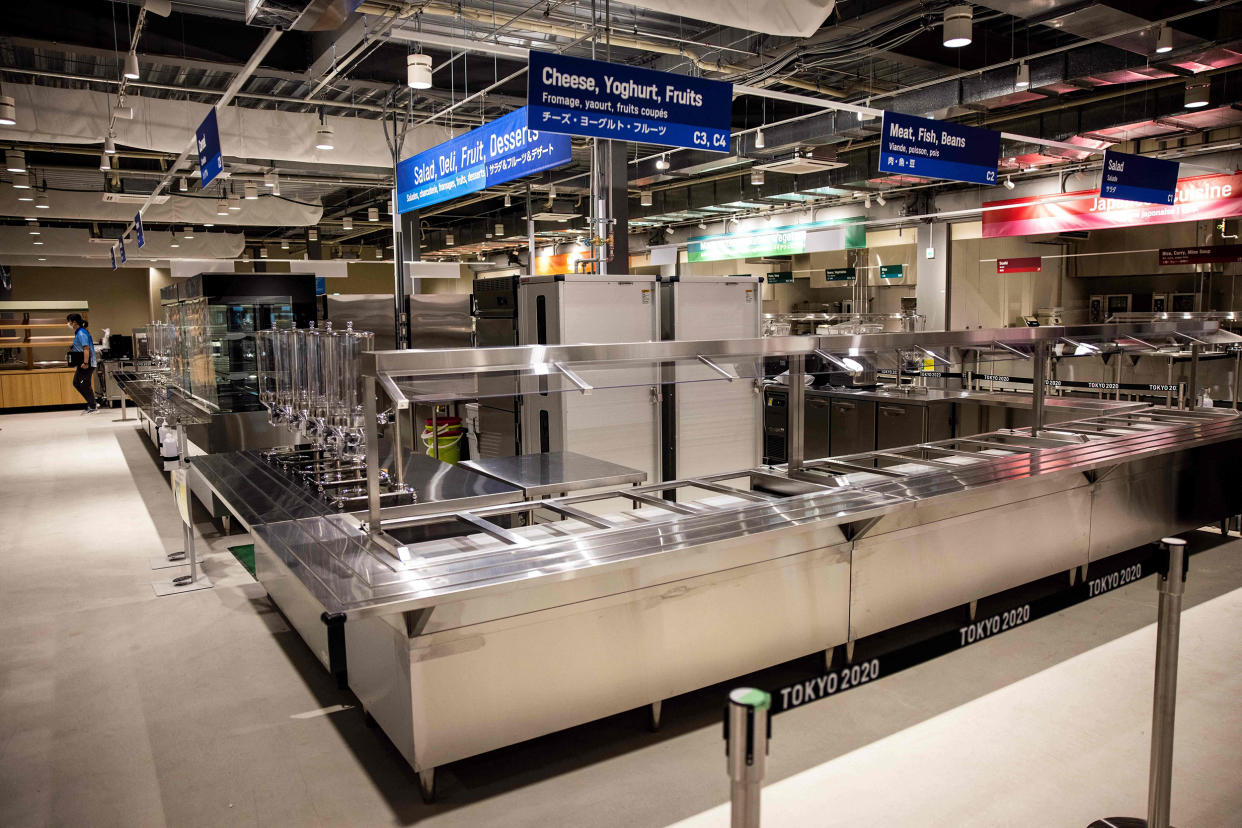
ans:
x=441 y=320
x=368 y=311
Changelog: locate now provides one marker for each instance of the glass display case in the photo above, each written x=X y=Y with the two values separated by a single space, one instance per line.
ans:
x=215 y=320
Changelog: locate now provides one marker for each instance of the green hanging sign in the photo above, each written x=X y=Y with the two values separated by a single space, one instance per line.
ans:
x=840 y=274
x=781 y=277
x=893 y=271
x=776 y=241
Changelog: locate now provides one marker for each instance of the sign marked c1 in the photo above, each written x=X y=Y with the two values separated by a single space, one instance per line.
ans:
x=1138 y=178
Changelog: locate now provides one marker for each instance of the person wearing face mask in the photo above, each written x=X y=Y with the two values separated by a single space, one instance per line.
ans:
x=85 y=364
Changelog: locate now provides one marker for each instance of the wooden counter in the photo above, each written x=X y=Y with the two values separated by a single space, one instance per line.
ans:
x=43 y=386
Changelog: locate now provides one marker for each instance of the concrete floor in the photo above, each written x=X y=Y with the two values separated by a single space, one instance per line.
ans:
x=120 y=708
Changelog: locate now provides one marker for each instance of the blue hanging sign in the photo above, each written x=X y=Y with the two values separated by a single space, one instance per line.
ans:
x=120 y=240
x=210 y=156
x=1138 y=178
x=492 y=154
x=112 y=250
x=921 y=147
x=607 y=100
x=138 y=229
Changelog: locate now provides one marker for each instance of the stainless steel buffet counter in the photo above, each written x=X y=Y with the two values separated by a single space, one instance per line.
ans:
x=846 y=420
x=462 y=630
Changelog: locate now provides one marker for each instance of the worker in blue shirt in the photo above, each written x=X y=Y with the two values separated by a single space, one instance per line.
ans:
x=84 y=374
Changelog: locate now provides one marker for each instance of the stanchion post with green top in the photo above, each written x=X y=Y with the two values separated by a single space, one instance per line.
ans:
x=748 y=726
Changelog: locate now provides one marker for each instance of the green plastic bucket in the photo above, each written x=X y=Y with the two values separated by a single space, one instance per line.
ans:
x=449 y=439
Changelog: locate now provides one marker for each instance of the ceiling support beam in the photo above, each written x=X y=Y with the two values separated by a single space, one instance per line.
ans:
x=239 y=80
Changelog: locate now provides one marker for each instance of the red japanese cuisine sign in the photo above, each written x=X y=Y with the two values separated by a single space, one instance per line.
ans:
x=1025 y=264
x=1200 y=255
x=1198 y=198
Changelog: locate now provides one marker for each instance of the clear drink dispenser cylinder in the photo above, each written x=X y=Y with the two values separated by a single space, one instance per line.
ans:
x=283 y=370
x=354 y=343
x=300 y=378
x=314 y=386
x=322 y=387
x=265 y=363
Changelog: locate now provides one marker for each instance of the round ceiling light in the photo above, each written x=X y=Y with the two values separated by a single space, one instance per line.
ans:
x=1198 y=93
x=418 y=71
x=8 y=111
x=957 y=27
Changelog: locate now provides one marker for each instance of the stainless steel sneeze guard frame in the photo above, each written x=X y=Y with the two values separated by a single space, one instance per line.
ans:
x=398 y=364
x=487 y=635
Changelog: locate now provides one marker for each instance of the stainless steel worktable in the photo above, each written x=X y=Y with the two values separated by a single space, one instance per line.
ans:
x=436 y=483
x=557 y=472
x=259 y=494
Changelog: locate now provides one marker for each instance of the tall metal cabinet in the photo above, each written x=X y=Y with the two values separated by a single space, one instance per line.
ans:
x=712 y=426
x=620 y=425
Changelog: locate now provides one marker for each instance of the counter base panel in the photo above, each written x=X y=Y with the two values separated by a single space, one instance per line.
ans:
x=545 y=671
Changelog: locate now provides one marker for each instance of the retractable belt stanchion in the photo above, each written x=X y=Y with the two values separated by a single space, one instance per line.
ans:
x=1172 y=585
x=748 y=726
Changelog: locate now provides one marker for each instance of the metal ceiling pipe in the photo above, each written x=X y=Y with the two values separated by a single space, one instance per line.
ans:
x=194 y=90
x=269 y=40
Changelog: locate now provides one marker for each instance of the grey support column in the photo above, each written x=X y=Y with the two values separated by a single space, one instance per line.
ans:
x=1039 y=364
x=619 y=209
x=407 y=240
x=934 y=291
x=795 y=436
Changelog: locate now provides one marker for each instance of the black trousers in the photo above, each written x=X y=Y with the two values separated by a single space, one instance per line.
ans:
x=82 y=380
